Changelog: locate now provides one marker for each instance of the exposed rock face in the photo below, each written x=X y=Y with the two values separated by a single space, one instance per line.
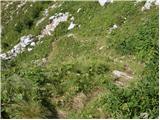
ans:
x=118 y=74
x=33 y=44
x=103 y=2
x=55 y=20
x=39 y=21
x=144 y=116
x=71 y=26
x=46 y=13
x=150 y=3
x=121 y=78
x=19 y=48
x=29 y=49
x=78 y=10
x=22 y=4
x=157 y=2
x=29 y=40
x=113 y=28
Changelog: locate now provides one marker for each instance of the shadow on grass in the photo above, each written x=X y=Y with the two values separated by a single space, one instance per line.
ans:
x=4 y=115
x=51 y=109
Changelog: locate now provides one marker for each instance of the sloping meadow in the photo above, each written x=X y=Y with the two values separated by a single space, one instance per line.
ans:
x=69 y=73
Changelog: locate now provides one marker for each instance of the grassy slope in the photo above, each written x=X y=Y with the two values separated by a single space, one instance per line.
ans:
x=77 y=65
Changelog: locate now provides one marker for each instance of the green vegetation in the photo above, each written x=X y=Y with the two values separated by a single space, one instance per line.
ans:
x=76 y=80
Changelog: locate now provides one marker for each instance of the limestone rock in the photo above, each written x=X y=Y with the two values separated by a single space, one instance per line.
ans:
x=103 y=2
x=71 y=26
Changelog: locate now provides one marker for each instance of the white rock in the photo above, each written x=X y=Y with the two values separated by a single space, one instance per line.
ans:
x=46 y=12
x=39 y=21
x=144 y=115
x=59 y=5
x=33 y=44
x=60 y=14
x=101 y=47
x=70 y=35
x=149 y=3
x=78 y=10
x=3 y=56
x=52 y=17
x=137 y=1
x=58 y=18
x=18 y=48
x=25 y=40
x=44 y=59
x=53 y=6
x=113 y=28
x=40 y=37
x=29 y=40
x=103 y=2
x=29 y=49
x=71 y=26
x=157 y=2
x=72 y=18
x=22 y=4
x=119 y=74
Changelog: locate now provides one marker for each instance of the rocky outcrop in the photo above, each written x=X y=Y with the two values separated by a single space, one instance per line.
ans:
x=71 y=26
x=118 y=74
x=19 y=48
x=28 y=40
x=103 y=2
x=54 y=22
x=121 y=78
x=149 y=3
x=113 y=28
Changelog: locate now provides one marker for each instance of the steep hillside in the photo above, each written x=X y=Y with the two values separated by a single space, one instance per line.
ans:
x=74 y=59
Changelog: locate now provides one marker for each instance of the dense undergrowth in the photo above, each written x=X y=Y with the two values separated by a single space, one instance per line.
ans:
x=76 y=64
